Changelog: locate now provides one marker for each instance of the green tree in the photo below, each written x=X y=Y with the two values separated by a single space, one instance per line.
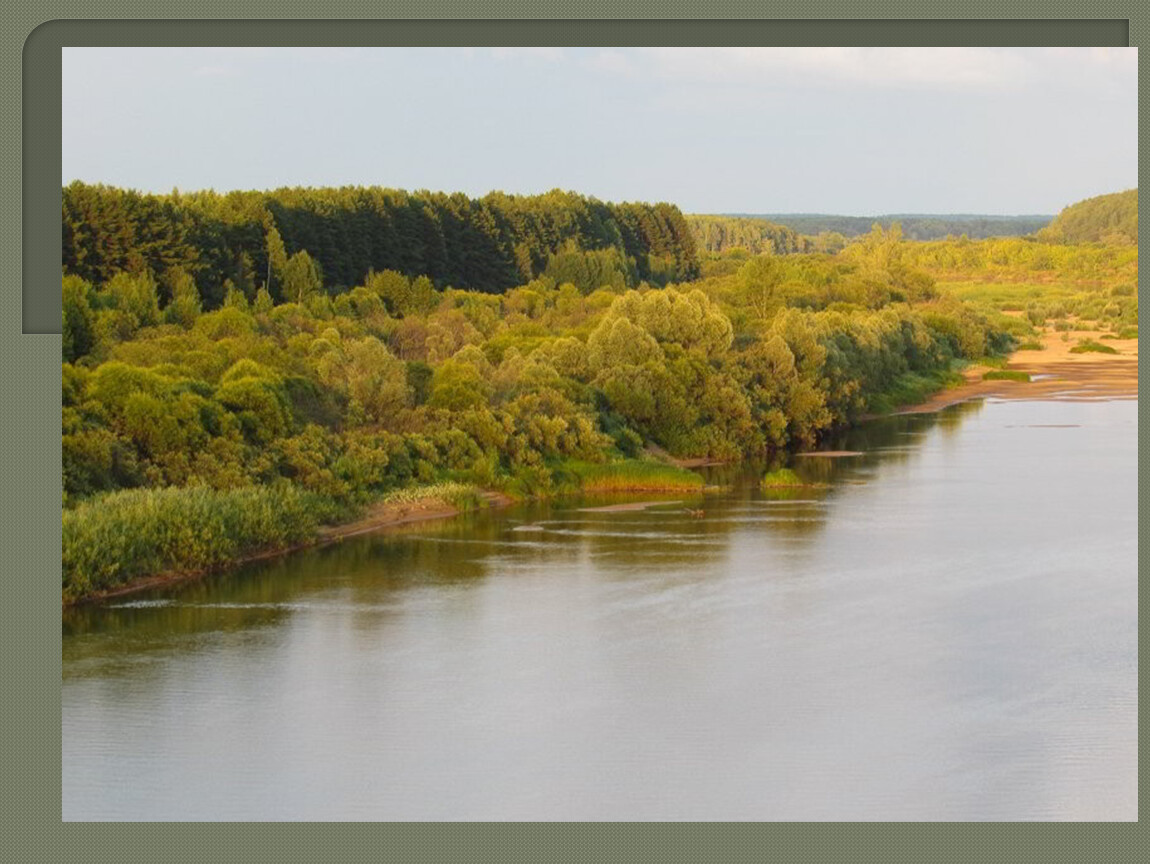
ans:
x=79 y=333
x=301 y=278
x=184 y=307
x=277 y=258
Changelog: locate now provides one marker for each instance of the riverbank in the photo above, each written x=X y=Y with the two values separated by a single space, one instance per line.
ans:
x=1055 y=372
x=382 y=516
x=144 y=539
x=388 y=514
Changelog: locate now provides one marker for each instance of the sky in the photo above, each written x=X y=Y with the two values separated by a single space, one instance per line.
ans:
x=853 y=131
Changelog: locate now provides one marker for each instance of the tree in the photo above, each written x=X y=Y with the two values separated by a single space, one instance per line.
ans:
x=457 y=386
x=373 y=379
x=184 y=307
x=301 y=278
x=79 y=333
x=393 y=288
x=759 y=285
x=277 y=257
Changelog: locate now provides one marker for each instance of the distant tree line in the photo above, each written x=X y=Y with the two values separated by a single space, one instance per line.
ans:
x=723 y=233
x=288 y=238
x=1109 y=219
x=914 y=226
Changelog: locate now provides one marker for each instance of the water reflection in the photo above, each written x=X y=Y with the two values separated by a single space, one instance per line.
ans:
x=370 y=570
x=940 y=627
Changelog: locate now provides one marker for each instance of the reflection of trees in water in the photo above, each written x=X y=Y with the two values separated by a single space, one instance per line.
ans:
x=148 y=629
x=464 y=552
x=950 y=420
x=264 y=593
x=892 y=440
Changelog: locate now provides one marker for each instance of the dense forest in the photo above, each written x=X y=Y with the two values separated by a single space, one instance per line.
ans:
x=915 y=226
x=190 y=435
x=197 y=431
x=1110 y=219
x=295 y=240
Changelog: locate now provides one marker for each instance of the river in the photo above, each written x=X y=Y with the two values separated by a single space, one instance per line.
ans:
x=945 y=629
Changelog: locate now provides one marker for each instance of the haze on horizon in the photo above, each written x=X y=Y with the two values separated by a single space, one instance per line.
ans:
x=850 y=131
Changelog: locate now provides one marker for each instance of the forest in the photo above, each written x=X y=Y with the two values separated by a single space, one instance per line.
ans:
x=336 y=236
x=196 y=430
x=1110 y=219
x=724 y=233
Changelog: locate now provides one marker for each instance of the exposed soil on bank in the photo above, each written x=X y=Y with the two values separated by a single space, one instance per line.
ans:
x=383 y=516
x=1055 y=374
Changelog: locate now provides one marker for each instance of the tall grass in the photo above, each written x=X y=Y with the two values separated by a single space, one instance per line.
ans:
x=463 y=496
x=633 y=475
x=782 y=478
x=115 y=538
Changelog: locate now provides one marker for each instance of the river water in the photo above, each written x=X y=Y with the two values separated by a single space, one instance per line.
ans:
x=946 y=629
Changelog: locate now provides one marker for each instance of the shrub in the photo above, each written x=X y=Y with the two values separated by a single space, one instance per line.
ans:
x=1089 y=346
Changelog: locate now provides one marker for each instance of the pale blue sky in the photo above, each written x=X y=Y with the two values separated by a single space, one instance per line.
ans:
x=858 y=131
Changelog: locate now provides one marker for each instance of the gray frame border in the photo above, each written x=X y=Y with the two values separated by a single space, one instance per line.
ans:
x=32 y=527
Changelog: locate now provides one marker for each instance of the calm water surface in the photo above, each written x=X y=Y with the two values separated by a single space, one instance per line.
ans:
x=947 y=629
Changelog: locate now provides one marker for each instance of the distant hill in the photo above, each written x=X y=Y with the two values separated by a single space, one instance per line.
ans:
x=915 y=226
x=1111 y=219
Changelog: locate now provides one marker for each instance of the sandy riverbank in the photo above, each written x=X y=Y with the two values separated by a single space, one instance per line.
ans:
x=383 y=516
x=1055 y=373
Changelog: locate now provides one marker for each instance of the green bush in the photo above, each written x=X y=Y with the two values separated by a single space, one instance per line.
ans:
x=1090 y=346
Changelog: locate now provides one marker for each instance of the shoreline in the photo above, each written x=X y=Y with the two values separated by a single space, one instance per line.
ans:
x=1056 y=374
x=378 y=518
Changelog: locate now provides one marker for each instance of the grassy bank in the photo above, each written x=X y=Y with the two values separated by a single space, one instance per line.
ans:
x=115 y=539
x=461 y=496
x=634 y=475
x=125 y=535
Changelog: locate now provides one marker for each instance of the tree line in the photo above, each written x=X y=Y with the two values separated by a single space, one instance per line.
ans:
x=1107 y=219
x=336 y=236
x=914 y=226
x=756 y=236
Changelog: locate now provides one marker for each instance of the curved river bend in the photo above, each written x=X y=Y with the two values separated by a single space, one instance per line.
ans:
x=947 y=629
